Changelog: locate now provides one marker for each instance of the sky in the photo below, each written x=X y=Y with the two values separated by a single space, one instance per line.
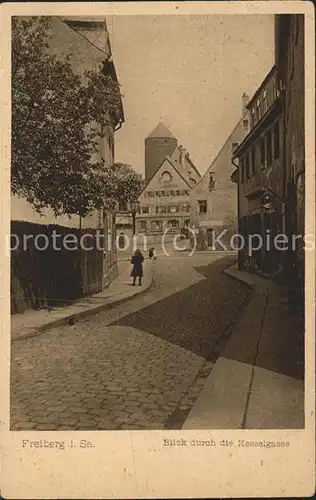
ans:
x=190 y=72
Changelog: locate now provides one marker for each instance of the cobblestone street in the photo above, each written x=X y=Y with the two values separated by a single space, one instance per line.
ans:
x=140 y=365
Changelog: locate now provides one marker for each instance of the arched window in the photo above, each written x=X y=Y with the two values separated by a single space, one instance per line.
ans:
x=165 y=177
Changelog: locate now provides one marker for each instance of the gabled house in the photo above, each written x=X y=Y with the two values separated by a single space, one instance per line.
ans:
x=170 y=174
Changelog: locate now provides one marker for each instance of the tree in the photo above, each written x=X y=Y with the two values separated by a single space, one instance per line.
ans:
x=129 y=187
x=129 y=183
x=53 y=140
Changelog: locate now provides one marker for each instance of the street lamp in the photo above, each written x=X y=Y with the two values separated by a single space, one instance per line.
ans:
x=134 y=211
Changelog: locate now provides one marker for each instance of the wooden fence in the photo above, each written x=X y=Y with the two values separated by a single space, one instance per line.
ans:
x=47 y=277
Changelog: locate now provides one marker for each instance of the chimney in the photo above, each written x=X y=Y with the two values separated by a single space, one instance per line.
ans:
x=245 y=101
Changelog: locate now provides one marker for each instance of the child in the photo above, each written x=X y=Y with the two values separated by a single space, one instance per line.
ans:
x=152 y=254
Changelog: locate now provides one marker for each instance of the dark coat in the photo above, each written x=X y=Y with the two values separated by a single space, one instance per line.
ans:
x=137 y=261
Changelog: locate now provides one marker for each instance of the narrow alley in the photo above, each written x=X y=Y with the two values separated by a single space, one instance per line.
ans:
x=140 y=365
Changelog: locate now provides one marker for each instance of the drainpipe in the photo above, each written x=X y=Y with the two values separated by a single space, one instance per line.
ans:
x=238 y=206
x=285 y=223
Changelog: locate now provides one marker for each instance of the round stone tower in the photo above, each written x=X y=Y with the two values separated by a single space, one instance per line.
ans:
x=158 y=144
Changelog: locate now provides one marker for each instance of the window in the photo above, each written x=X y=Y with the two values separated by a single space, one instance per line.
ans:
x=173 y=223
x=184 y=207
x=211 y=182
x=158 y=193
x=122 y=206
x=156 y=225
x=253 y=160
x=269 y=147
x=178 y=193
x=242 y=170
x=202 y=206
x=165 y=177
x=262 y=154
x=245 y=124
x=258 y=109
x=173 y=209
x=276 y=139
x=143 y=225
x=247 y=166
x=265 y=101
x=161 y=210
x=172 y=193
x=253 y=117
x=185 y=192
x=150 y=194
x=144 y=210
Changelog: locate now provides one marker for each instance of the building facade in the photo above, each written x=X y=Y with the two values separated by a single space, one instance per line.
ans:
x=213 y=200
x=271 y=163
x=164 y=204
x=290 y=62
x=260 y=180
x=86 y=41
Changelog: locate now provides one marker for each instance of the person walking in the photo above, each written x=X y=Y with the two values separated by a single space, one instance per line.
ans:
x=137 y=270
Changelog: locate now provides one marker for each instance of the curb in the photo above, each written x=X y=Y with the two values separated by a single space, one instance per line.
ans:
x=73 y=318
x=230 y=405
x=229 y=272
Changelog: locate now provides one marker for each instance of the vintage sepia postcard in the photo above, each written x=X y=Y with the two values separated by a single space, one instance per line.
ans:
x=158 y=250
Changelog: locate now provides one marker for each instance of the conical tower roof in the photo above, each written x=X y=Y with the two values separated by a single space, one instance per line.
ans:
x=161 y=131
